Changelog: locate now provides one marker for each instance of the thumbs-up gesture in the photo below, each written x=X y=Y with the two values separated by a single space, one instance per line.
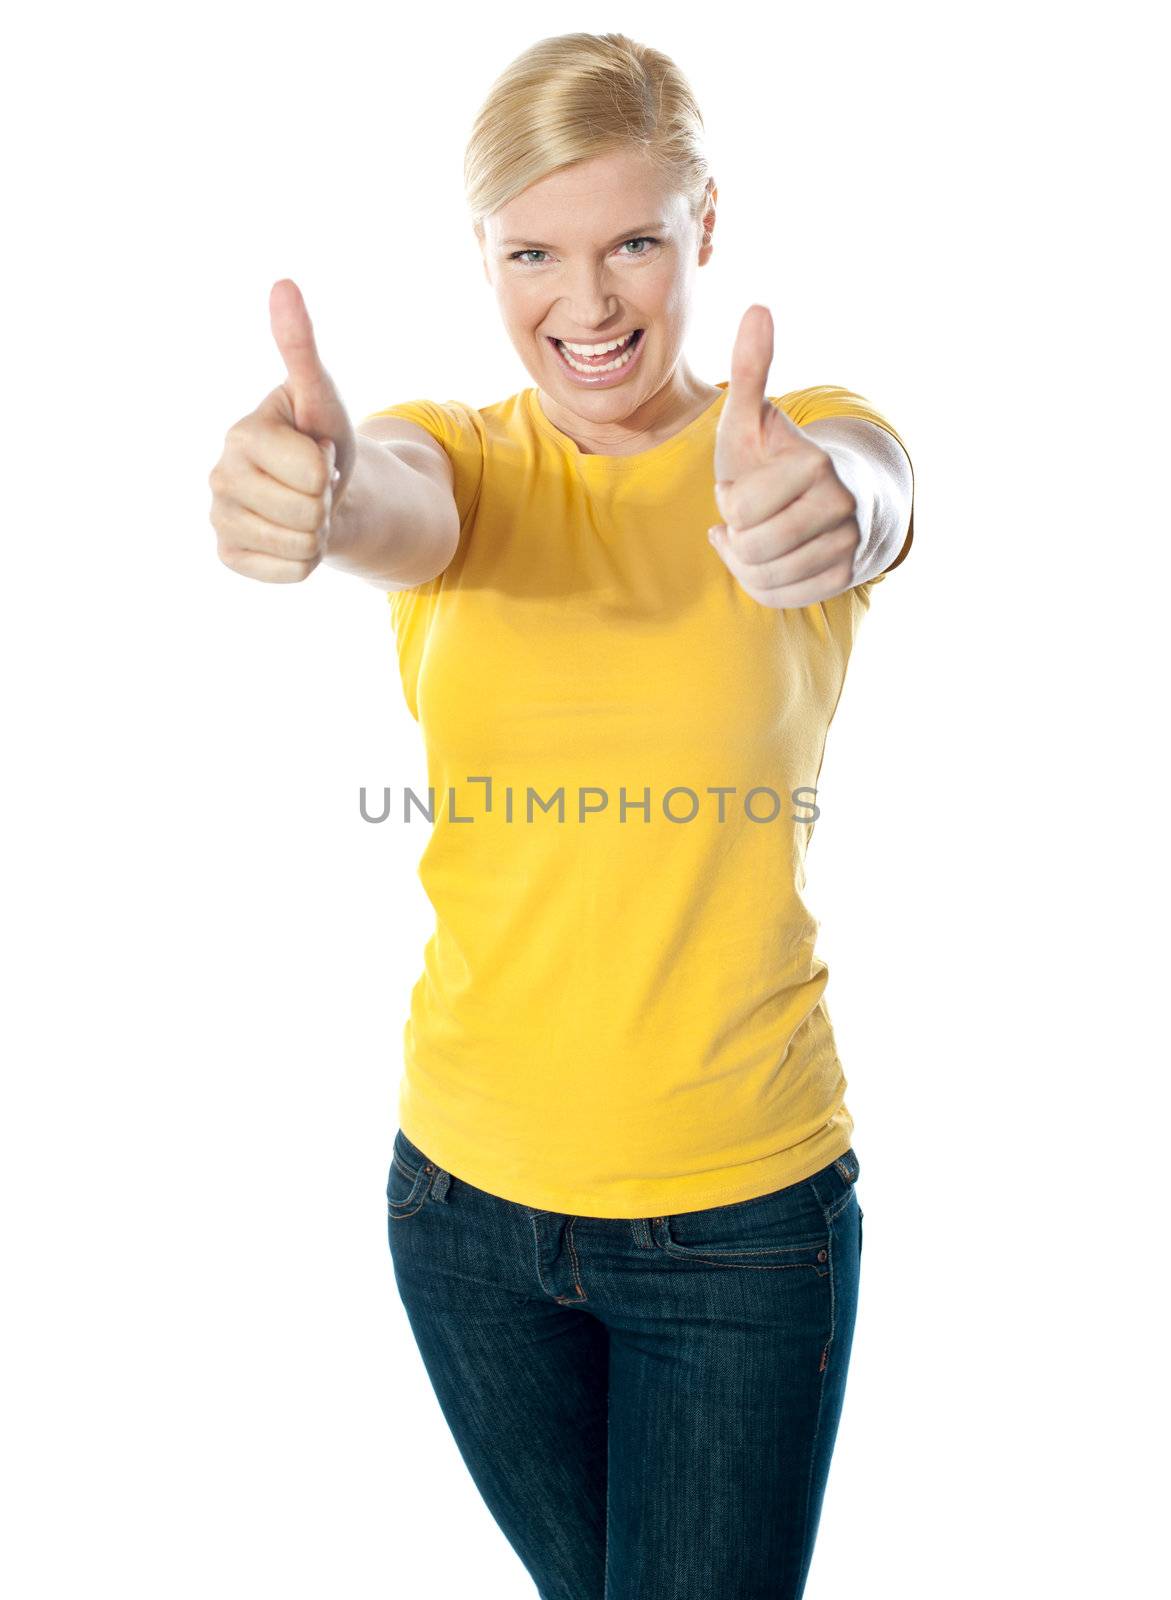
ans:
x=790 y=530
x=285 y=464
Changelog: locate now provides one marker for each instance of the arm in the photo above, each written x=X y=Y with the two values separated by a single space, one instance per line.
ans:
x=875 y=468
x=396 y=525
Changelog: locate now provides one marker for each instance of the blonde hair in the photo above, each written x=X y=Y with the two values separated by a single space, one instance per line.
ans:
x=575 y=96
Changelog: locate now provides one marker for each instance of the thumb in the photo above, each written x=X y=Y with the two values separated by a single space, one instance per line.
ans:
x=740 y=435
x=310 y=387
x=752 y=355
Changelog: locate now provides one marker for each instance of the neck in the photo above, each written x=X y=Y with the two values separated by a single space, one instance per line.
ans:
x=682 y=398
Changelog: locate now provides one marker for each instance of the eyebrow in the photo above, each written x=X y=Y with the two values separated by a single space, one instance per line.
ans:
x=619 y=238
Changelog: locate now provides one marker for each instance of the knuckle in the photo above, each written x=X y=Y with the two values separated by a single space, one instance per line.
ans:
x=225 y=524
x=306 y=515
x=300 y=546
x=219 y=480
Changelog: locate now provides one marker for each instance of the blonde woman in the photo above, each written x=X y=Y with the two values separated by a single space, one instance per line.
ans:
x=622 y=1201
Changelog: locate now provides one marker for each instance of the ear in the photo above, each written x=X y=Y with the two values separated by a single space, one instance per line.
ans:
x=707 y=222
x=479 y=238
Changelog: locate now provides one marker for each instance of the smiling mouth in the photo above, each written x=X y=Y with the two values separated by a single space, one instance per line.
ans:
x=608 y=362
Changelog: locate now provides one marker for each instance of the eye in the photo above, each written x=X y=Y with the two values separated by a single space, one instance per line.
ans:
x=642 y=238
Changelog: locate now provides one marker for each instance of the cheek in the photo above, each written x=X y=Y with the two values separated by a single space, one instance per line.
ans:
x=676 y=299
x=525 y=324
x=520 y=304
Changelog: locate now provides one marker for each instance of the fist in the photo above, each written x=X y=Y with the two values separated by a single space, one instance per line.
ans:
x=791 y=531
x=284 y=465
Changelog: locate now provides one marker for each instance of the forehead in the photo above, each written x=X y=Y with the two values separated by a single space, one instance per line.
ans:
x=579 y=202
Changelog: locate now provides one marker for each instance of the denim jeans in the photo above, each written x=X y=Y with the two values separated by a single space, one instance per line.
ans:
x=647 y=1406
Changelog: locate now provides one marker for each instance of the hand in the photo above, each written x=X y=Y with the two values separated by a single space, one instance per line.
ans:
x=791 y=528
x=286 y=464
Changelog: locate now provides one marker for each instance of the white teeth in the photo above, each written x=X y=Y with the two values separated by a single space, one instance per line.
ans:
x=626 y=355
x=597 y=349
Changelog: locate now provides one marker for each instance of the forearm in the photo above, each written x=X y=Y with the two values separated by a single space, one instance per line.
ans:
x=872 y=464
x=394 y=526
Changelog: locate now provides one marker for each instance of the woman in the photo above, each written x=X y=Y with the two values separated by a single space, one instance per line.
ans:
x=622 y=1207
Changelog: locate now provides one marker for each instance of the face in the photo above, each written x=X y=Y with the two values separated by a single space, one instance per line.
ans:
x=594 y=253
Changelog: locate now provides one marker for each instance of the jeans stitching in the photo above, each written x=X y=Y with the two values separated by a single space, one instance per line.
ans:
x=836 y=1210
x=750 y=1250
x=847 y=1173
x=397 y=1208
x=408 y=1172
x=820 y=1404
x=683 y=1253
x=576 y=1264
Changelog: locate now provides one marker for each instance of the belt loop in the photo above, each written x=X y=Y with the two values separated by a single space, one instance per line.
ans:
x=847 y=1166
x=440 y=1184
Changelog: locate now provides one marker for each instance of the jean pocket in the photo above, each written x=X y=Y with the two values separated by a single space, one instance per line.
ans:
x=408 y=1180
x=784 y=1229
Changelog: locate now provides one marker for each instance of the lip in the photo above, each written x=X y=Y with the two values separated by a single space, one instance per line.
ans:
x=601 y=380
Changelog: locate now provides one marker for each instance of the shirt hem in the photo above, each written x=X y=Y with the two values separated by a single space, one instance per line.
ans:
x=671 y=1197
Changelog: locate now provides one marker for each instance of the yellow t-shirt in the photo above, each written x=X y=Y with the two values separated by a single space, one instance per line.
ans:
x=620 y=1012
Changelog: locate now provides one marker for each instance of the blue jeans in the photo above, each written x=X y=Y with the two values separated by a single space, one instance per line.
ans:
x=647 y=1406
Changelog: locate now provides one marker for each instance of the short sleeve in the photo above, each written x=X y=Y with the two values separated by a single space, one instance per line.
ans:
x=460 y=430
x=831 y=400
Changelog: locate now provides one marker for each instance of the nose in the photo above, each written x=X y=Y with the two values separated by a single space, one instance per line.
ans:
x=590 y=304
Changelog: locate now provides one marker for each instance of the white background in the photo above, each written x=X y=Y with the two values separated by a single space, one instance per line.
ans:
x=210 y=1385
